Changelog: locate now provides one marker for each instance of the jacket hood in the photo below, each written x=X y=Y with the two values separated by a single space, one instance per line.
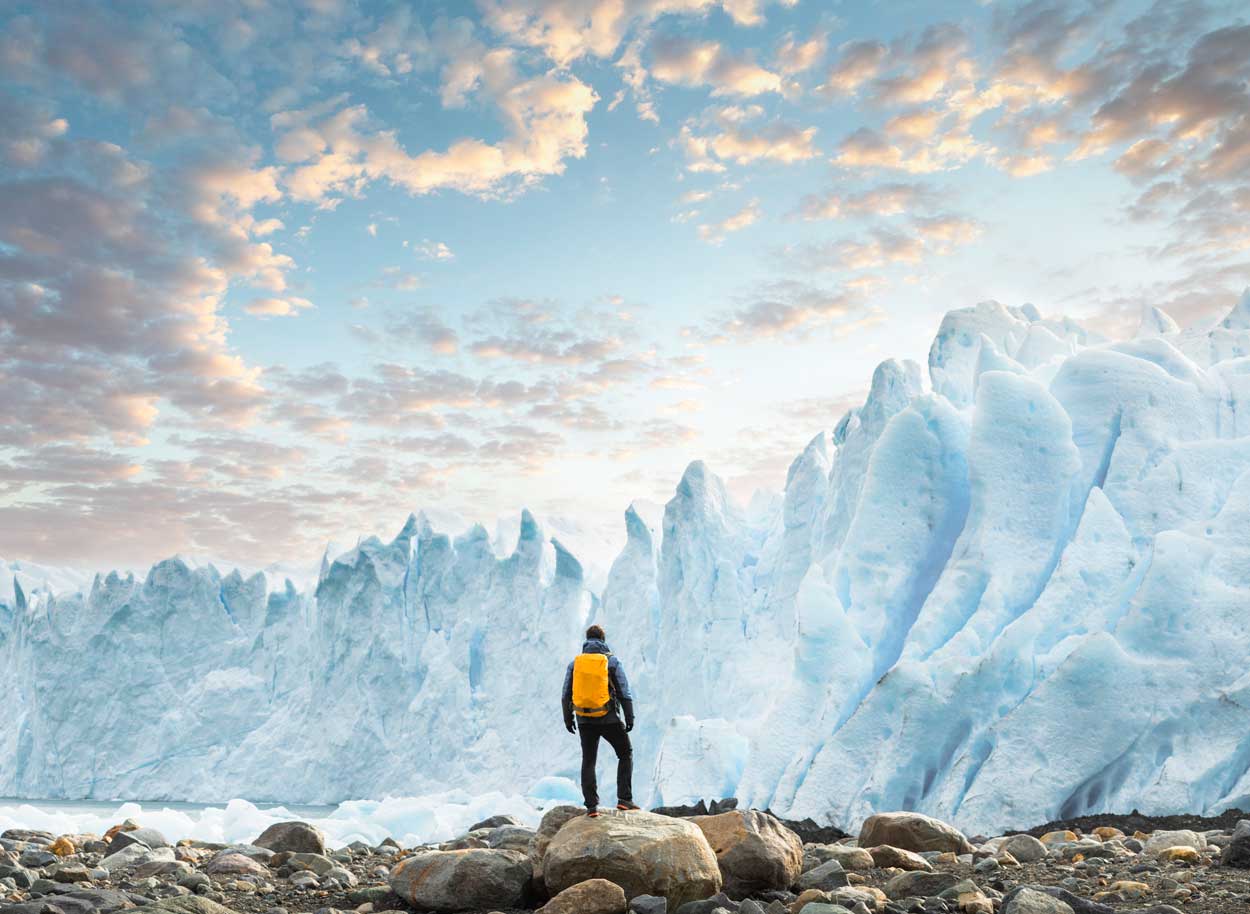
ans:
x=595 y=646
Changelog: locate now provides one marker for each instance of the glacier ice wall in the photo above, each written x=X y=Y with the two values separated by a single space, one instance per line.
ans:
x=1010 y=588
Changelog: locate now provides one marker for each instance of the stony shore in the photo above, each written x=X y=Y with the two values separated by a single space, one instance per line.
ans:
x=731 y=862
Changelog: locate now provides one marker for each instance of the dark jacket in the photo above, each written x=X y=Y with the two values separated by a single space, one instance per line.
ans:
x=622 y=699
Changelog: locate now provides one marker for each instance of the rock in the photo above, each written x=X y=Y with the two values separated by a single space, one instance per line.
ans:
x=922 y=884
x=476 y=879
x=912 y=831
x=553 y=820
x=1162 y=840
x=296 y=837
x=1058 y=837
x=375 y=895
x=135 y=855
x=1107 y=832
x=884 y=855
x=1030 y=901
x=101 y=901
x=827 y=876
x=62 y=847
x=343 y=876
x=70 y=872
x=175 y=868
x=496 y=822
x=643 y=853
x=235 y=865
x=1237 y=852
x=755 y=852
x=849 y=896
x=184 y=904
x=648 y=904
x=511 y=838
x=318 y=863
x=28 y=835
x=1025 y=848
x=1130 y=891
x=718 y=902
x=36 y=858
x=851 y=858
x=594 y=896
x=1075 y=902
x=148 y=837
x=1179 y=854
x=821 y=907
x=809 y=896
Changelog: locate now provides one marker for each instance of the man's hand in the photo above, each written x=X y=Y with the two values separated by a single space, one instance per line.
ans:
x=629 y=724
x=568 y=725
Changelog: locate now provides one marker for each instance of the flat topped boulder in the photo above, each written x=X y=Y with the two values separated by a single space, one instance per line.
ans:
x=297 y=837
x=755 y=852
x=476 y=879
x=912 y=831
x=643 y=853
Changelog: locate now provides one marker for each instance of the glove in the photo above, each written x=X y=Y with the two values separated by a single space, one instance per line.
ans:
x=629 y=724
x=568 y=725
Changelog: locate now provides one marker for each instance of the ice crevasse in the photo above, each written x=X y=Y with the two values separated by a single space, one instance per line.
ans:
x=1012 y=587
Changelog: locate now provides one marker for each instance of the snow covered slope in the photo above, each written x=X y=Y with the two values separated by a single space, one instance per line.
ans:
x=1010 y=588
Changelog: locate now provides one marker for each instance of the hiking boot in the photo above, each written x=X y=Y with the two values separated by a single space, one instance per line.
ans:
x=593 y=813
x=627 y=805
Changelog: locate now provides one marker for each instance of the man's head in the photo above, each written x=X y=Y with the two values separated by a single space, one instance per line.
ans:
x=595 y=633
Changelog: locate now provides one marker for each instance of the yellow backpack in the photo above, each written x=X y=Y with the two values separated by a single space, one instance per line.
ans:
x=591 y=695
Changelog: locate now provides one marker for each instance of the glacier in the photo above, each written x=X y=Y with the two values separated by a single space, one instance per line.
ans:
x=1012 y=586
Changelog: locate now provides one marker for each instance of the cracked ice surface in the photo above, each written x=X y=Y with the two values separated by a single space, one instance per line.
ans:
x=1009 y=588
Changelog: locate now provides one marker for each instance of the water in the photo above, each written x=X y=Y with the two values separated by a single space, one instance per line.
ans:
x=409 y=820
x=101 y=807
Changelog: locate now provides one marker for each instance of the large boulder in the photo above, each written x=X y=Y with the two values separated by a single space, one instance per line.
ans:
x=919 y=883
x=553 y=820
x=235 y=865
x=851 y=858
x=135 y=855
x=464 y=880
x=912 y=831
x=643 y=853
x=297 y=837
x=755 y=852
x=1237 y=851
x=149 y=837
x=1024 y=848
x=826 y=877
x=1029 y=900
x=594 y=896
x=1161 y=841
x=884 y=855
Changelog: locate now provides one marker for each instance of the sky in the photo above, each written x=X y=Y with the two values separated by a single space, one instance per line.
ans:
x=277 y=272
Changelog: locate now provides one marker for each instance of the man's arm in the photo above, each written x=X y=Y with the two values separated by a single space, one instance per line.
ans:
x=566 y=700
x=623 y=693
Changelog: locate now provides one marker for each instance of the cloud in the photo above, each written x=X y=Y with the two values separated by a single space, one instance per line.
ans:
x=545 y=123
x=277 y=307
x=889 y=199
x=715 y=232
x=867 y=148
x=686 y=62
x=432 y=250
x=797 y=56
x=858 y=62
x=566 y=30
x=784 y=307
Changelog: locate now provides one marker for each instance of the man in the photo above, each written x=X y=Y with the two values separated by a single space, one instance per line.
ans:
x=597 y=695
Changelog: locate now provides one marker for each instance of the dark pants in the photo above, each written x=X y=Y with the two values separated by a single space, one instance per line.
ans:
x=618 y=739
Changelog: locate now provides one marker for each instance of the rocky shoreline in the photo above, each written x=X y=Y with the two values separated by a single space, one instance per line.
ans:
x=692 y=860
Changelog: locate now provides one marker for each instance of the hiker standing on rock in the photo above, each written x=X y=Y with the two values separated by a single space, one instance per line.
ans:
x=597 y=695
